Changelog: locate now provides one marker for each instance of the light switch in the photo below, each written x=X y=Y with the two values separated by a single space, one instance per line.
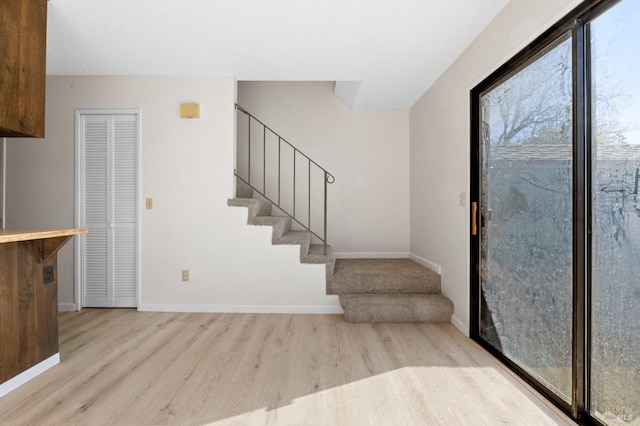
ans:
x=149 y=203
x=463 y=199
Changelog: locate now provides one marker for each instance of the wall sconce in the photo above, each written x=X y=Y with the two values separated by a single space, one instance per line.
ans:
x=190 y=111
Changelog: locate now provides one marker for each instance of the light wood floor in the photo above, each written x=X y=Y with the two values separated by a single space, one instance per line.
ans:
x=126 y=367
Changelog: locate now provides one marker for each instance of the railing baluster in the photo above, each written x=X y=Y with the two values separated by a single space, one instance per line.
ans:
x=294 y=183
x=249 y=144
x=279 y=144
x=264 y=160
x=326 y=178
x=309 y=196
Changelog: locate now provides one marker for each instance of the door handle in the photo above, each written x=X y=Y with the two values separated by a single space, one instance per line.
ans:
x=474 y=221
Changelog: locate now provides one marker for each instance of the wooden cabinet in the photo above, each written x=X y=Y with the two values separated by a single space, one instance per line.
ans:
x=23 y=32
x=28 y=298
x=28 y=307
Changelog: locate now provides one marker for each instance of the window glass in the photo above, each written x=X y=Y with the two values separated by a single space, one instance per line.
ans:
x=526 y=206
x=615 y=309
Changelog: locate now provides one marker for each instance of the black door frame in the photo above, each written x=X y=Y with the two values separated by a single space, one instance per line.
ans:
x=575 y=22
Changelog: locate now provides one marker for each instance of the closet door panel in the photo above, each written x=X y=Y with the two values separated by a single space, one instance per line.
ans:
x=125 y=201
x=110 y=194
x=96 y=202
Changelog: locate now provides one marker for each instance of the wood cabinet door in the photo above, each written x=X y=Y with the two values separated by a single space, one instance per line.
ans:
x=23 y=32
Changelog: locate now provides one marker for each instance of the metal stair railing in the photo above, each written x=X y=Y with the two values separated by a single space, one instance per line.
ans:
x=327 y=178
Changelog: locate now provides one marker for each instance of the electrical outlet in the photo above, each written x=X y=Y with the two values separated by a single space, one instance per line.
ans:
x=185 y=275
x=149 y=203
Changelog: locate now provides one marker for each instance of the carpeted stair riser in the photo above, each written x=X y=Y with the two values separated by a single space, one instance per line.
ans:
x=316 y=254
x=243 y=190
x=396 y=308
x=382 y=276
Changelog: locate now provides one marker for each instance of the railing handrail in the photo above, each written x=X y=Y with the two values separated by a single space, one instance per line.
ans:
x=238 y=107
x=328 y=178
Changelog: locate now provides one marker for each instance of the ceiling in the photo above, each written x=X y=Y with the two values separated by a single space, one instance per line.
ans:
x=382 y=54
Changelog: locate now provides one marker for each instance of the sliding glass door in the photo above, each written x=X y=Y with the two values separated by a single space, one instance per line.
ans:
x=526 y=198
x=615 y=214
x=556 y=216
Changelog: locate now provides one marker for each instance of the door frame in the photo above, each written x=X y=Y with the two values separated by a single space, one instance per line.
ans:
x=519 y=62
x=79 y=199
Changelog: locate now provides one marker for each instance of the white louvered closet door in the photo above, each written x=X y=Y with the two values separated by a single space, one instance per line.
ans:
x=110 y=251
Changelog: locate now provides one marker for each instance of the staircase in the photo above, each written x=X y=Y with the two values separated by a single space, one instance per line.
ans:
x=260 y=214
x=370 y=290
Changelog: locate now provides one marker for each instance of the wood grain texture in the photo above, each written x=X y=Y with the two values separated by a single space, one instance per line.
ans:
x=10 y=22
x=53 y=244
x=126 y=367
x=26 y=234
x=26 y=304
x=28 y=308
x=22 y=73
x=46 y=309
x=9 y=317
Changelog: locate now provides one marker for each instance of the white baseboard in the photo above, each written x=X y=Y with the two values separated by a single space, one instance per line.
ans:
x=244 y=309
x=25 y=376
x=372 y=255
x=464 y=329
x=426 y=263
x=66 y=307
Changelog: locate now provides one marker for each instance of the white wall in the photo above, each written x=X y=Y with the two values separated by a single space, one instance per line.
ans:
x=367 y=152
x=440 y=144
x=187 y=167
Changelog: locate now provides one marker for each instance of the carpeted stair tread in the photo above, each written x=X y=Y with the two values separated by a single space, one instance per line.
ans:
x=391 y=308
x=241 y=202
x=378 y=276
x=294 y=237
x=256 y=207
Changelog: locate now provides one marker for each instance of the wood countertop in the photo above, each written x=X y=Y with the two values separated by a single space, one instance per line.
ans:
x=26 y=234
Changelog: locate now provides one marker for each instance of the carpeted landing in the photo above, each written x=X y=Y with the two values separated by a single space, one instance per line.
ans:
x=388 y=290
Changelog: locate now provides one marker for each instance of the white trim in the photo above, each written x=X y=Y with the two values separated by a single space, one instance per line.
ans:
x=78 y=191
x=426 y=263
x=139 y=210
x=66 y=307
x=457 y=323
x=372 y=255
x=22 y=378
x=243 y=309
